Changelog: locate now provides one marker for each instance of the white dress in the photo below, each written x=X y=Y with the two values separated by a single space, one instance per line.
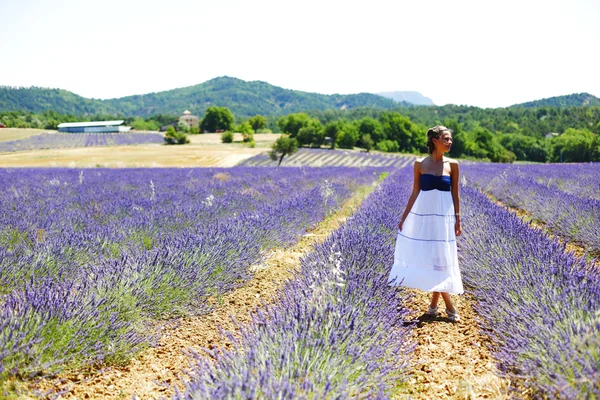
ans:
x=425 y=256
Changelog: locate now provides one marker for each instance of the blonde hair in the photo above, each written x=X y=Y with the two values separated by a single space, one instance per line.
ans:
x=435 y=133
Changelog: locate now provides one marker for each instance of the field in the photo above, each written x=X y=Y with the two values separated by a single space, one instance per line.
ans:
x=10 y=134
x=252 y=281
x=203 y=151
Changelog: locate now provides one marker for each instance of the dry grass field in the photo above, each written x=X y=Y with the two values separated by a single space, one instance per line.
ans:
x=10 y=134
x=205 y=150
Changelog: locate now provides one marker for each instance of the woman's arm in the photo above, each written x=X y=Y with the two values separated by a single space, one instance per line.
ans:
x=454 y=180
x=415 y=192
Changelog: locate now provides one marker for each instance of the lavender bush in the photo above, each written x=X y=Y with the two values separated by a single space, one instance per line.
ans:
x=573 y=217
x=540 y=304
x=70 y=140
x=336 y=331
x=329 y=158
x=88 y=257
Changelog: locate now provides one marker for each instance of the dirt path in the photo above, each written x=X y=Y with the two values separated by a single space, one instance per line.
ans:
x=451 y=360
x=148 y=375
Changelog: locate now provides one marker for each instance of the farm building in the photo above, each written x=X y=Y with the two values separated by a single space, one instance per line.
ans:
x=187 y=118
x=93 y=127
x=192 y=120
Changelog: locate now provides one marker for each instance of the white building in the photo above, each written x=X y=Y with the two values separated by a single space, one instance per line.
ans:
x=93 y=127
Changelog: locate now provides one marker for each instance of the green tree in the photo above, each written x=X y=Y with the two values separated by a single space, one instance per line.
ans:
x=348 y=135
x=370 y=126
x=312 y=134
x=400 y=129
x=284 y=145
x=332 y=129
x=390 y=146
x=574 y=145
x=291 y=124
x=367 y=142
x=257 y=122
x=525 y=147
x=217 y=118
x=246 y=130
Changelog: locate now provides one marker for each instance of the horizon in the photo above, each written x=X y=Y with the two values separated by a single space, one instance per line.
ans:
x=487 y=55
x=327 y=94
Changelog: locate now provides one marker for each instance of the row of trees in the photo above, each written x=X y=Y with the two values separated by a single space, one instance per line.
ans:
x=499 y=135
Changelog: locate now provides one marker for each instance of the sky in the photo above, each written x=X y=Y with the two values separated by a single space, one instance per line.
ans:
x=480 y=53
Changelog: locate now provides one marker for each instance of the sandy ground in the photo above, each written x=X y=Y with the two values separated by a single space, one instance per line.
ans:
x=204 y=151
x=10 y=134
x=149 y=375
x=451 y=360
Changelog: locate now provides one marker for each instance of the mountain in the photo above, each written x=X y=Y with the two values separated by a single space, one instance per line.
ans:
x=570 y=100
x=242 y=98
x=415 y=98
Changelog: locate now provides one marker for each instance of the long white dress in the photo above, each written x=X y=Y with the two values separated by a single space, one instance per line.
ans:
x=425 y=256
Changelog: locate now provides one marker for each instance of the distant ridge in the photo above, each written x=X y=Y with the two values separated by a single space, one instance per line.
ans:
x=570 y=100
x=242 y=98
x=415 y=98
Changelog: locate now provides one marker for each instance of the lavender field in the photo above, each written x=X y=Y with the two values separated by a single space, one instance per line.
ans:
x=327 y=158
x=564 y=197
x=90 y=259
x=94 y=262
x=72 y=140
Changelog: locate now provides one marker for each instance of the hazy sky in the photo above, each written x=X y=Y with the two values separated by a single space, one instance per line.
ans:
x=482 y=53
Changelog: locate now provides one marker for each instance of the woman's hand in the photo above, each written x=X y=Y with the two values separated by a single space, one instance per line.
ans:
x=457 y=228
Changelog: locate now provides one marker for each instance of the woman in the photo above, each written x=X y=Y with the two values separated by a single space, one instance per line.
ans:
x=425 y=256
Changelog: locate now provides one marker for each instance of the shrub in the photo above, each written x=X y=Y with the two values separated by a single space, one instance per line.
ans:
x=174 y=137
x=227 y=137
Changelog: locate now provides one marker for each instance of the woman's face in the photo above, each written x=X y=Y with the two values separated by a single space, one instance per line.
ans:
x=444 y=142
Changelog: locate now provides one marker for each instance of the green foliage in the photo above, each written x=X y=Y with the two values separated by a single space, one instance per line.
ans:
x=400 y=129
x=370 y=126
x=183 y=127
x=284 y=145
x=367 y=143
x=575 y=145
x=227 y=137
x=390 y=146
x=312 y=134
x=174 y=137
x=332 y=129
x=576 y=99
x=217 y=118
x=247 y=132
x=525 y=147
x=291 y=124
x=257 y=122
x=347 y=136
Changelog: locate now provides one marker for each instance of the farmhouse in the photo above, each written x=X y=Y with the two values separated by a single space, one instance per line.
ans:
x=187 y=118
x=93 y=127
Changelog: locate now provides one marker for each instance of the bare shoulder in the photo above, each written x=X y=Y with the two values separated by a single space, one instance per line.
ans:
x=420 y=160
x=451 y=161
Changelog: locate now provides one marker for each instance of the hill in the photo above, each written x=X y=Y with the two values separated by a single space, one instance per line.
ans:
x=570 y=100
x=242 y=98
x=415 y=98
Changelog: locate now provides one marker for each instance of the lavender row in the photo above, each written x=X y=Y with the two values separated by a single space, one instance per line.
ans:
x=336 y=331
x=539 y=303
x=87 y=258
x=330 y=158
x=579 y=179
x=70 y=140
x=573 y=217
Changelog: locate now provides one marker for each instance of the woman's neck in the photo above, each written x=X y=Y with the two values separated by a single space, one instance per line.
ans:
x=437 y=157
